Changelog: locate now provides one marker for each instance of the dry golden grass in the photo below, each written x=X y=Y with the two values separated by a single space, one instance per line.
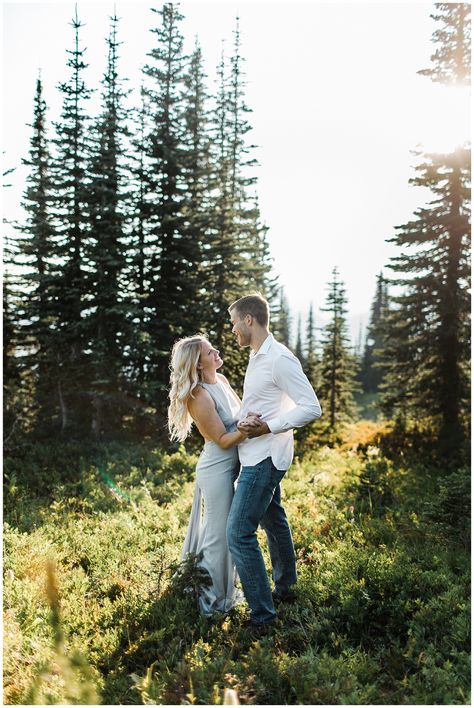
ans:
x=363 y=433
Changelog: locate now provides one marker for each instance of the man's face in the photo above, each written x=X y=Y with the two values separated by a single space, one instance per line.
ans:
x=240 y=328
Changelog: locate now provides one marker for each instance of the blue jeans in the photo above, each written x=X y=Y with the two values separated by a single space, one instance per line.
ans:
x=257 y=501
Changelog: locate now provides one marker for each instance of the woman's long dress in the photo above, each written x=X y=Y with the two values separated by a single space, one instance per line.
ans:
x=216 y=472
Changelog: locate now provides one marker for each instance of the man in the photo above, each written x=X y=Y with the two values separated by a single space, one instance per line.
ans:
x=276 y=388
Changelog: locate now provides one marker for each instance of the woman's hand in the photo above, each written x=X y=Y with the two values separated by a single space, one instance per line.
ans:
x=252 y=420
x=248 y=425
x=253 y=425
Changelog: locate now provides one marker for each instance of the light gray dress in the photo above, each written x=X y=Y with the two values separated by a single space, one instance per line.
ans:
x=216 y=472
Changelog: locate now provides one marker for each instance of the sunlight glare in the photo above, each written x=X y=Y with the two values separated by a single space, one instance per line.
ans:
x=444 y=124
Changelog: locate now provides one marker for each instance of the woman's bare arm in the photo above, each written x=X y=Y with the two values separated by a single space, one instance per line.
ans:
x=211 y=427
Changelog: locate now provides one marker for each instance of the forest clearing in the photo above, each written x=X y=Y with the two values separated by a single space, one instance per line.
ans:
x=138 y=224
x=382 y=614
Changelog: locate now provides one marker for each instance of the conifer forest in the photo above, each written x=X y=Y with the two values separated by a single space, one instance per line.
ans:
x=141 y=227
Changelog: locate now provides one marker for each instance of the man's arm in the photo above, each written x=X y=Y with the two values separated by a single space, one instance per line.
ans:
x=289 y=376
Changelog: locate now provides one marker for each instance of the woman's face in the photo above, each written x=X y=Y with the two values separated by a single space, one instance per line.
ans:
x=209 y=360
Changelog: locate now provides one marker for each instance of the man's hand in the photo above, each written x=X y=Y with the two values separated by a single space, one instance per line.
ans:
x=253 y=427
x=251 y=419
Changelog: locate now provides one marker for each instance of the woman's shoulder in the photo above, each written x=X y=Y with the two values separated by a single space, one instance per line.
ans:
x=199 y=395
x=225 y=381
x=200 y=405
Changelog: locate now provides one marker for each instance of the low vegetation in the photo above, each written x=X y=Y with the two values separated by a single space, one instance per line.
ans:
x=98 y=610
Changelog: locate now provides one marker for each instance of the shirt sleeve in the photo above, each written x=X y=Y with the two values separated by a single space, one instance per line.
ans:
x=288 y=375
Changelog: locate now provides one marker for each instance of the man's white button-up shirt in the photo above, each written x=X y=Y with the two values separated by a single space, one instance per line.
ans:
x=276 y=386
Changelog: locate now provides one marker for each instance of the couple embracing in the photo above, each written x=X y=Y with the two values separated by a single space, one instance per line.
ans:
x=256 y=433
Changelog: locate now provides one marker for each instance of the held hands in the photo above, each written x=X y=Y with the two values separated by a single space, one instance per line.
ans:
x=253 y=426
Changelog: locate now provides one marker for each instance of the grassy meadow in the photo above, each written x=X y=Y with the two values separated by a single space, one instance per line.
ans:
x=98 y=611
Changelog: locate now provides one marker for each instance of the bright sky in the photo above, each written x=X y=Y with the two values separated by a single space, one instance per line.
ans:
x=337 y=108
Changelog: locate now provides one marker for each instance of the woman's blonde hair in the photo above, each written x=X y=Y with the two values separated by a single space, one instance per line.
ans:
x=184 y=379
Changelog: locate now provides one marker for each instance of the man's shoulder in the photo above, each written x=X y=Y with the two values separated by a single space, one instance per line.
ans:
x=279 y=349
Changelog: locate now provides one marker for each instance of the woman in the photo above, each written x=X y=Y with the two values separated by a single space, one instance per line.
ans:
x=198 y=393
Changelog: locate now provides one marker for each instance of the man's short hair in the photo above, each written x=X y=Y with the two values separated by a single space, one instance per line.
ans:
x=255 y=305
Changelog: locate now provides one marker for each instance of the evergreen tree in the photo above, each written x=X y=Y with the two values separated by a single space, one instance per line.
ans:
x=68 y=276
x=426 y=352
x=175 y=253
x=13 y=410
x=370 y=374
x=35 y=248
x=311 y=367
x=106 y=322
x=221 y=259
x=281 y=324
x=451 y=64
x=298 y=351
x=196 y=206
x=311 y=363
x=138 y=273
x=13 y=400
x=237 y=258
x=251 y=234
x=358 y=345
x=337 y=365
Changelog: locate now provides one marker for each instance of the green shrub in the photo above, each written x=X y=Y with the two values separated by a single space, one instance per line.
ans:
x=374 y=489
x=383 y=595
x=450 y=508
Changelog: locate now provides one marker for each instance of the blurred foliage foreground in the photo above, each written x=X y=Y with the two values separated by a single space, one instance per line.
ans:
x=96 y=612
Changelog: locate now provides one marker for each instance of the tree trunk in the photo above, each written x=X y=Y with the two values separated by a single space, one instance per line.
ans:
x=63 y=408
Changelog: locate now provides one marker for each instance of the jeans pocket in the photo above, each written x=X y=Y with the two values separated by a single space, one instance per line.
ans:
x=264 y=473
x=277 y=476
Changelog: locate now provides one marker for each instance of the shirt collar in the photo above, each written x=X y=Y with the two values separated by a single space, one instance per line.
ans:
x=264 y=347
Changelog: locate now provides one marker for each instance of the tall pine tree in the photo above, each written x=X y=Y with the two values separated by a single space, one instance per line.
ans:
x=451 y=64
x=281 y=321
x=251 y=234
x=298 y=350
x=222 y=258
x=139 y=256
x=311 y=362
x=426 y=353
x=176 y=252
x=35 y=246
x=71 y=183
x=370 y=374
x=237 y=258
x=196 y=206
x=16 y=400
x=338 y=367
x=106 y=324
